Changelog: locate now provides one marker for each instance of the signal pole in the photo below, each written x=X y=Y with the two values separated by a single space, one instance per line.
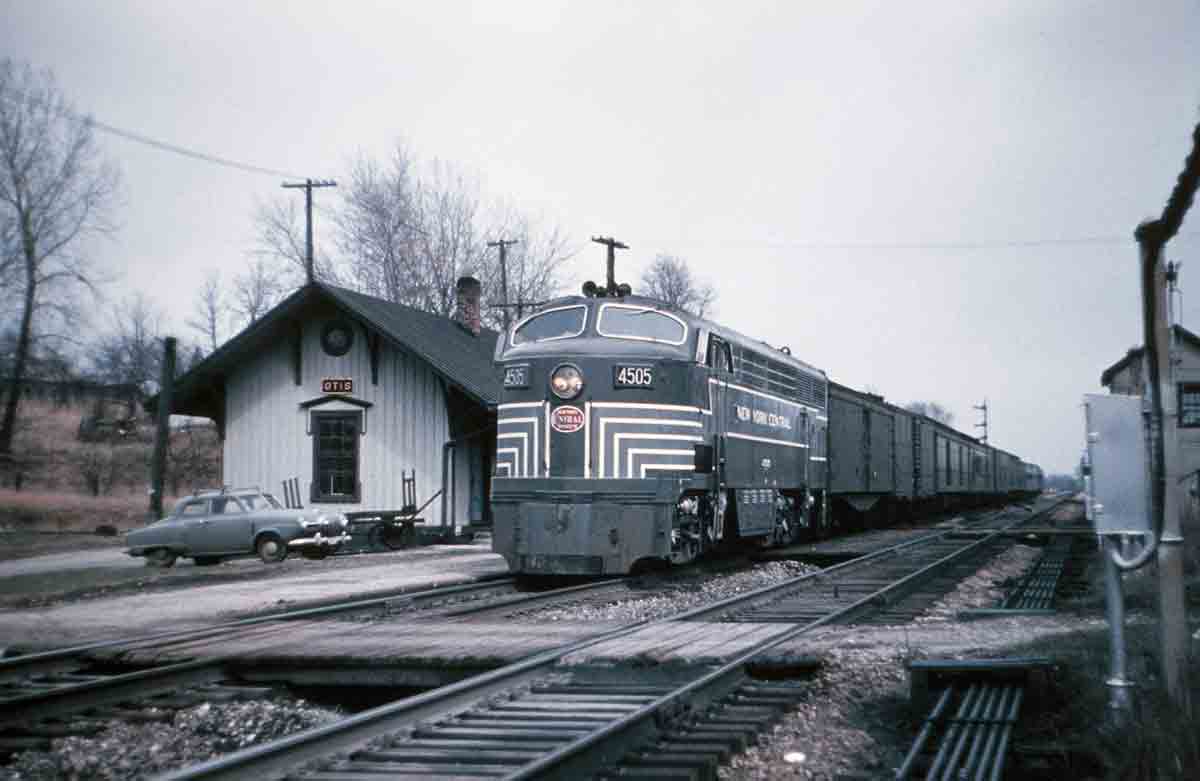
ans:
x=503 y=244
x=984 y=425
x=308 y=186
x=613 y=245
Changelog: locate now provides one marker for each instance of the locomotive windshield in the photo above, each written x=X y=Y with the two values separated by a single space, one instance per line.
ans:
x=552 y=324
x=635 y=322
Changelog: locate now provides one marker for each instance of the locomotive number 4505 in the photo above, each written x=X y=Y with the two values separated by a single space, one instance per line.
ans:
x=633 y=376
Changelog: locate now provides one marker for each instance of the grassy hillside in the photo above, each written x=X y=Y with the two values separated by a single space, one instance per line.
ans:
x=78 y=468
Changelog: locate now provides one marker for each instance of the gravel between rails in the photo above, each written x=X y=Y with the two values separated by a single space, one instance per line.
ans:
x=665 y=596
x=125 y=750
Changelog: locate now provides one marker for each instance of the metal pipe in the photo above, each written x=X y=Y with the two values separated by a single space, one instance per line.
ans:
x=1120 y=693
x=918 y=745
x=939 y=761
x=950 y=773
x=991 y=713
x=988 y=758
x=1005 y=734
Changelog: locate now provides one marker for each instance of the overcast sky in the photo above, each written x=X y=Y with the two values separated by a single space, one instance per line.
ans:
x=934 y=200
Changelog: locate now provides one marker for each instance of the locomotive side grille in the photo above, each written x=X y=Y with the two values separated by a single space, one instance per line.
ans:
x=778 y=378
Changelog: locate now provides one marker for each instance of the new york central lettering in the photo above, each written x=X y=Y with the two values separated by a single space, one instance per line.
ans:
x=762 y=417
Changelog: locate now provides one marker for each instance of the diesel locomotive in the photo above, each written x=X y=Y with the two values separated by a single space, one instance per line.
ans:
x=628 y=432
x=631 y=433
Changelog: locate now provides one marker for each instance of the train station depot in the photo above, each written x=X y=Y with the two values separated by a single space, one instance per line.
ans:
x=341 y=394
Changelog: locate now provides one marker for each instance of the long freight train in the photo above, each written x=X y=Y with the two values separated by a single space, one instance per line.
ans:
x=630 y=434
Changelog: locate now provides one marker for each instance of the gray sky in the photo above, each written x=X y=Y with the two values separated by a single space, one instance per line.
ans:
x=933 y=199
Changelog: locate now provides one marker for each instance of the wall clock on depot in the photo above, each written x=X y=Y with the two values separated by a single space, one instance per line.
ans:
x=337 y=337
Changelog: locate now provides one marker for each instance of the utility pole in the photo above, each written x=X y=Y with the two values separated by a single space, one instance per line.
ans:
x=162 y=442
x=308 y=186
x=613 y=245
x=1152 y=236
x=503 y=244
x=984 y=425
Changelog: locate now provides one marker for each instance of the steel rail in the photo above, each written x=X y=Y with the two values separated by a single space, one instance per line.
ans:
x=63 y=659
x=58 y=701
x=566 y=762
x=356 y=732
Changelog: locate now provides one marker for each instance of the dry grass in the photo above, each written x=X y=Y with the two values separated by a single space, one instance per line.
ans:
x=38 y=511
x=1156 y=740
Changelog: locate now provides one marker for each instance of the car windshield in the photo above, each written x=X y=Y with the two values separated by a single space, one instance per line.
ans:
x=258 y=501
x=552 y=324
x=635 y=322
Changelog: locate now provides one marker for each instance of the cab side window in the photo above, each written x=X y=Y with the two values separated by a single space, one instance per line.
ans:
x=718 y=355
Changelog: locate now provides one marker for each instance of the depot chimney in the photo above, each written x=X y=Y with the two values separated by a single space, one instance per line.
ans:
x=467 y=310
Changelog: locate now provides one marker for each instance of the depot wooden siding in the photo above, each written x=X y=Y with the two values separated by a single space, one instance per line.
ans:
x=267 y=439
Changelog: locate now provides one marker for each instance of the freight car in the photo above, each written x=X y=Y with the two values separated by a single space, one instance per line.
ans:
x=630 y=433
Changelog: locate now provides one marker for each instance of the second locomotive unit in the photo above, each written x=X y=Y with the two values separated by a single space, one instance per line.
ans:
x=630 y=433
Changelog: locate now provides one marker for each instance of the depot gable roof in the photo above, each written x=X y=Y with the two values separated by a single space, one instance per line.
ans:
x=1182 y=334
x=461 y=358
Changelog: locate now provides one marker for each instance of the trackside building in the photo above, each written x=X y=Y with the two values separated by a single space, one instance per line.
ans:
x=343 y=393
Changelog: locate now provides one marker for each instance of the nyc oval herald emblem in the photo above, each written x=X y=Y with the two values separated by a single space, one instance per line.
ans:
x=566 y=419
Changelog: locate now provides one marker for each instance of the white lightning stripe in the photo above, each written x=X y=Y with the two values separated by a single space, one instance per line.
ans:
x=816 y=458
x=634 y=452
x=617 y=438
x=630 y=405
x=676 y=467
x=524 y=445
x=635 y=421
x=507 y=467
x=515 y=404
x=515 y=457
x=529 y=471
x=587 y=439
x=765 y=439
x=546 y=471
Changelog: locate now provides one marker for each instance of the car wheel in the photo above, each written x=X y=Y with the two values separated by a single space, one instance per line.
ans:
x=161 y=558
x=206 y=561
x=271 y=549
x=316 y=552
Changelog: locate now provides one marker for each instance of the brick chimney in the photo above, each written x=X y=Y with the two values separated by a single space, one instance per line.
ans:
x=467 y=305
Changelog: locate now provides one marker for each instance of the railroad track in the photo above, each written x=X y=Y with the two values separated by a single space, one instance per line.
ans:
x=545 y=718
x=54 y=685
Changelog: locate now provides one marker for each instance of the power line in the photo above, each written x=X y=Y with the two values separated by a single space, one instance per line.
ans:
x=155 y=143
x=946 y=245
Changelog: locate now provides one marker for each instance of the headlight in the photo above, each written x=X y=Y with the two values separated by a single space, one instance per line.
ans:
x=566 y=381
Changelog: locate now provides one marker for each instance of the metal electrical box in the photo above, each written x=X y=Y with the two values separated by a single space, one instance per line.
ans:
x=1119 y=487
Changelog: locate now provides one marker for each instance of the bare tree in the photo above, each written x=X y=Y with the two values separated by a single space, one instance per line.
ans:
x=378 y=228
x=281 y=231
x=54 y=192
x=131 y=351
x=449 y=242
x=257 y=290
x=931 y=410
x=670 y=280
x=534 y=266
x=209 y=310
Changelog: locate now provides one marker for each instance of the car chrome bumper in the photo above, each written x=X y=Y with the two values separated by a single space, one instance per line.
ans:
x=319 y=540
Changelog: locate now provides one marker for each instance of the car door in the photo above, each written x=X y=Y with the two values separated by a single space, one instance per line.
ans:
x=229 y=528
x=193 y=517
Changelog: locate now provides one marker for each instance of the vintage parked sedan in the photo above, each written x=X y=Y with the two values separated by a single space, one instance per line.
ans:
x=214 y=525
